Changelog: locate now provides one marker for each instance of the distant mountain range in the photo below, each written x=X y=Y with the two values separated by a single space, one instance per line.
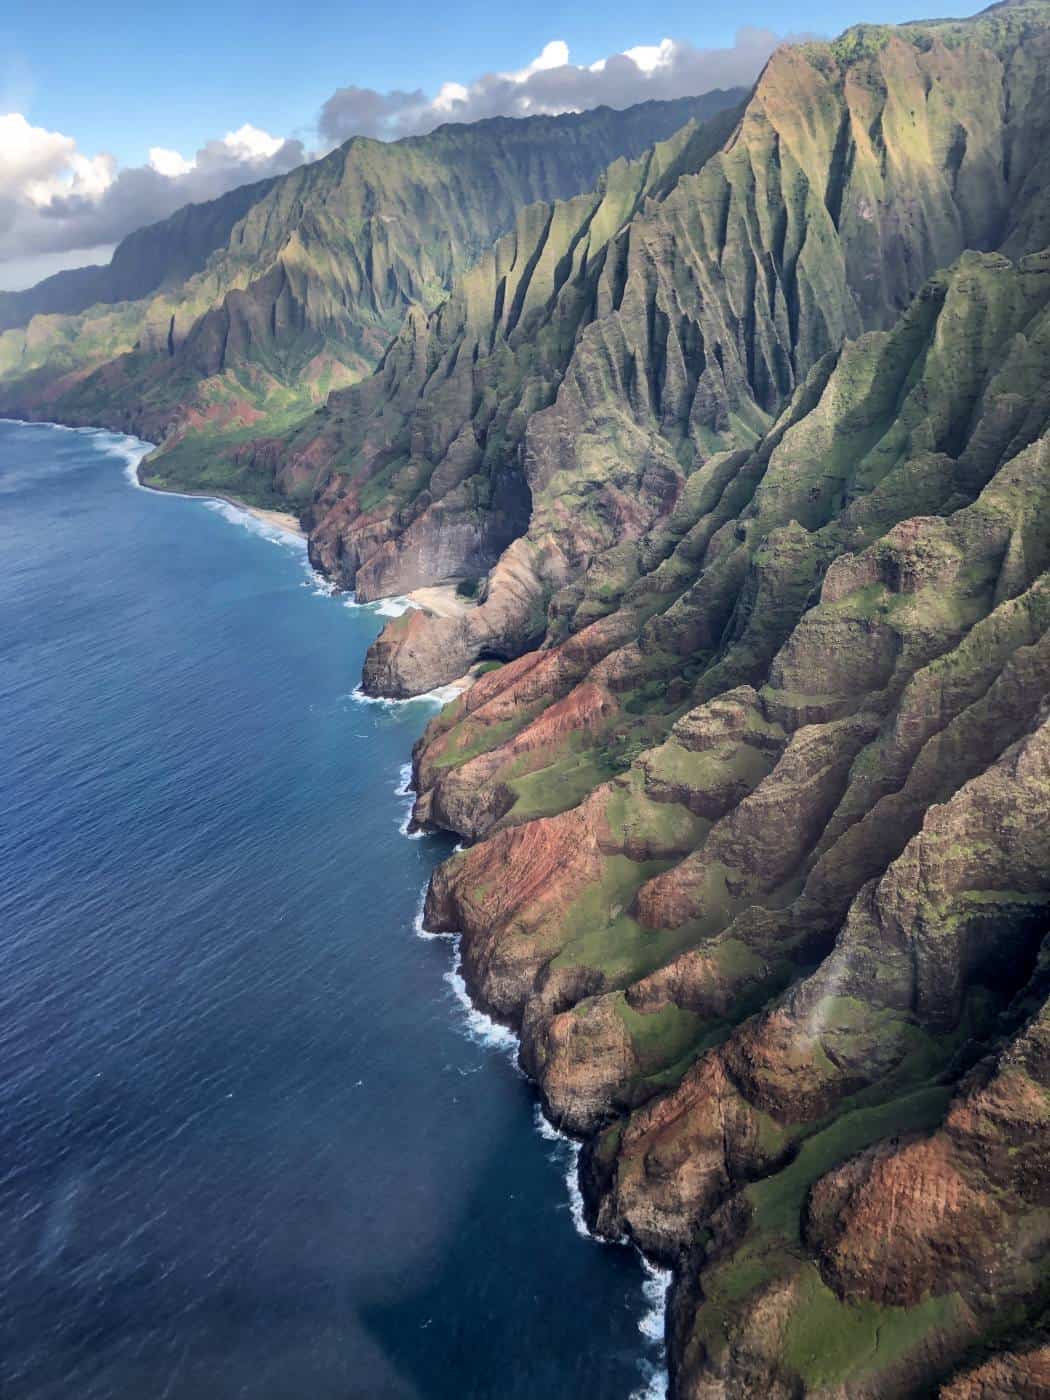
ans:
x=241 y=314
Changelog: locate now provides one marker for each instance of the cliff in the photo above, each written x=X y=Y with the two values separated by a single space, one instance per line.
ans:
x=745 y=458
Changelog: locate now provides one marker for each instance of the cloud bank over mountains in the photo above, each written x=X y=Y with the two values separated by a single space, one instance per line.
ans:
x=60 y=207
x=56 y=202
x=551 y=84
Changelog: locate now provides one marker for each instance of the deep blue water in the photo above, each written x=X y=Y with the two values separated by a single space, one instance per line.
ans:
x=250 y=1143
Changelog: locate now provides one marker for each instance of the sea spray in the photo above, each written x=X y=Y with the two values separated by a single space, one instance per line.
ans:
x=395 y=606
x=265 y=529
x=652 y=1326
x=130 y=450
x=404 y=791
x=567 y=1154
x=479 y=1027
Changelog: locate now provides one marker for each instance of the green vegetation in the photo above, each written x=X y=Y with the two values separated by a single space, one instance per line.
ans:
x=659 y=1038
x=234 y=319
x=829 y=1342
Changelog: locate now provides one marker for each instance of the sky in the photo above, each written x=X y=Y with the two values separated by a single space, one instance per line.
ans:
x=113 y=114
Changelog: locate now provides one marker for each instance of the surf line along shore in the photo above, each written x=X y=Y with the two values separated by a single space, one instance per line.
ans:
x=440 y=599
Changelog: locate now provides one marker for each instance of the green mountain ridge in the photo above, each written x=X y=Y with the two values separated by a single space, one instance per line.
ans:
x=256 y=305
x=162 y=254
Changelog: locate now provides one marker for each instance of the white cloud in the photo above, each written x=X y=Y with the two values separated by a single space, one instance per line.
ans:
x=552 y=55
x=552 y=83
x=30 y=152
x=42 y=165
x=650 y=57
x=448 y=95
x=169 y=163
x=57 y=201
x=250 y=143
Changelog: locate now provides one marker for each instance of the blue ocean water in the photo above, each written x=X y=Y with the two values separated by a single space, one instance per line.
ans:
x=251 y=1142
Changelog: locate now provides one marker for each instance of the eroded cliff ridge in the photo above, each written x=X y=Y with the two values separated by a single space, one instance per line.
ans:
x=744 y=462
x=236 y=317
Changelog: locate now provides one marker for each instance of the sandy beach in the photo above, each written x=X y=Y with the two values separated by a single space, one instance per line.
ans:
x=440 y=599
x=281 y=519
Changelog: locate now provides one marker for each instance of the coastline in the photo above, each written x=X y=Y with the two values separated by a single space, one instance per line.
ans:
x=282 y=520
x=503 y=1039
x=279 y=519
x=479 y=1025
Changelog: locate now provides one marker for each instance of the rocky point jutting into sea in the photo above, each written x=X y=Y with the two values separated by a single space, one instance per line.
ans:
x=739 y=464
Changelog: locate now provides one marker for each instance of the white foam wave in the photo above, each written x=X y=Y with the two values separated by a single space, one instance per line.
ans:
x=480 y=1028
x=265 y=529
x=127 y=449
x=130 y=450
x=654 y=1387
x=441 y=696
x=417 y=923
x=34 y=423
x=655 y=1289
x=404 y=790
x=567 y=1154
x=652 y=1325
x=395 y=606
x=320 y=586
x=392 y=607
x=483 y=1030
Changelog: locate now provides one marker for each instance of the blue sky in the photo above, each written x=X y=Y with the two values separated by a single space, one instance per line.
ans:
x=126 y=76
x=114 y=114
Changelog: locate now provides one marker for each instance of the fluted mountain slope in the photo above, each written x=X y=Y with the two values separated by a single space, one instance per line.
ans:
x=575 y=381
x=250 y=309
x=760 y=860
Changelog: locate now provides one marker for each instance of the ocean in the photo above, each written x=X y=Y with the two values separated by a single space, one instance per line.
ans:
x=253 y=1140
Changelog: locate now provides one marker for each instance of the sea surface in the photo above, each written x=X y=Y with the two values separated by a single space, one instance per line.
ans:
x=253 y=1142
